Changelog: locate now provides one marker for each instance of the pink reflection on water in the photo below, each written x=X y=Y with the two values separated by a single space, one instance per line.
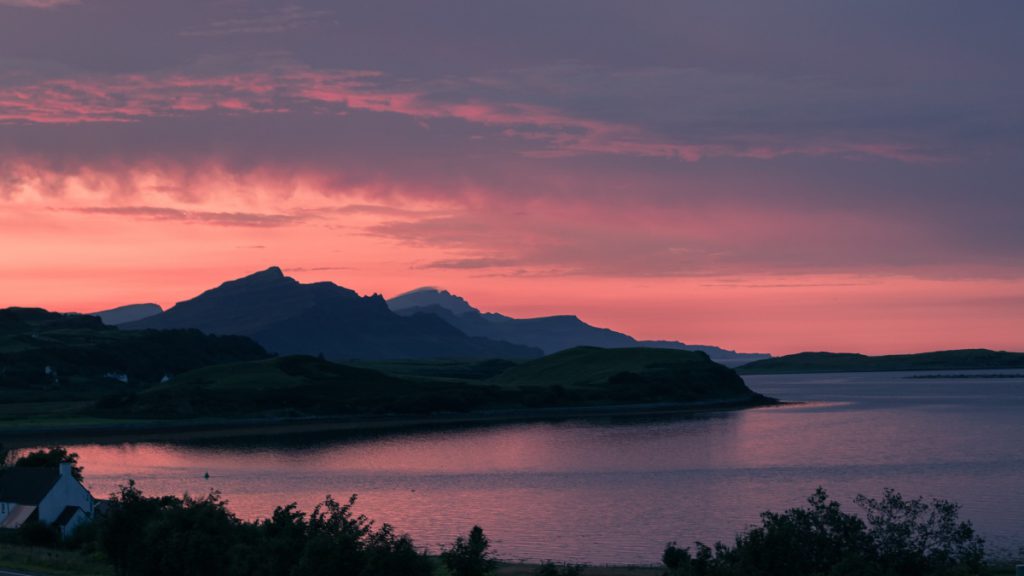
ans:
x=608 y=491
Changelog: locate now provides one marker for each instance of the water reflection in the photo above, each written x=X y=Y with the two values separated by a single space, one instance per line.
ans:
x=616 y=489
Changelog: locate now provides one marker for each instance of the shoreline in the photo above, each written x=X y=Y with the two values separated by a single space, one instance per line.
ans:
x=167 y=430
x=846 y=370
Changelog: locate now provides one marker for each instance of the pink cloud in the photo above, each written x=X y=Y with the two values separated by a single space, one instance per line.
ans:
x=214 y=218
x=550 y=133
x=37 y=3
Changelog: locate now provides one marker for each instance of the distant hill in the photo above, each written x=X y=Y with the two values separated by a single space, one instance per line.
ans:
x=629 y=375
x=71 y=370
x=46 y=354
x=292 y=386
x=550 y=333
x=288 y=317
x=297 y=386
x=805 y=362
x=129 y=313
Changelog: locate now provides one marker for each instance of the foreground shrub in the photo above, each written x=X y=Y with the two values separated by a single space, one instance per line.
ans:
x=200 y=536
x=470 y=556
x=35 y=533
x=900 y=537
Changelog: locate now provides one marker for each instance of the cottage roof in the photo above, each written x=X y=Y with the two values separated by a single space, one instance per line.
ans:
x=22 y=485
x=18 y=515
x=66 y=515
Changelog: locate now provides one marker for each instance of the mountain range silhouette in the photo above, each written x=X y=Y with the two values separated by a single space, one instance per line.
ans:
x=322 y=318
x=288 y=317
x=549 y=333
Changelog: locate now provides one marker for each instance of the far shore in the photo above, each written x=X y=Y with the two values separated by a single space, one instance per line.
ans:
x=21 y=435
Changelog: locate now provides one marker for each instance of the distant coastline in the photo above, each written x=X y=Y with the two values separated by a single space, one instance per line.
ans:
x=962 y=376
x=824 y=362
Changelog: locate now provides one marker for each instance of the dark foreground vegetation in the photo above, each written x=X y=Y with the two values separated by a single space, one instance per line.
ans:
x=894 y=537
x=142 y=535
x=137 y=534
x=46 y=458
x=810 y=362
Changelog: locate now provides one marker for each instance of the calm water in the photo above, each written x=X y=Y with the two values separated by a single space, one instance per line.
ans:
x=615 y=491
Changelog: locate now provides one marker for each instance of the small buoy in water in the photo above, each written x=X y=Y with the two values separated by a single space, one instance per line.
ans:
x=207 y=475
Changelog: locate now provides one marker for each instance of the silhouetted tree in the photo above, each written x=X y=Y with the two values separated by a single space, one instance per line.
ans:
x=388 y=554
x=51 y=458
x=335 y=544
x=913 y=537
x=122 y=529
x=470 y=556
x=174 y=536
x=283 y=537
x=901 y=537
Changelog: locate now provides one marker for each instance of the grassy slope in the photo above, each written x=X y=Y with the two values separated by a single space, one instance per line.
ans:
x=70 y=562
x=628 y=374
x=808 y=362
x=55 y=367
x=305 y=386
x=297 y=386
x=38 y=560
x=230 y=377
x=44 y=354
x=449 y=370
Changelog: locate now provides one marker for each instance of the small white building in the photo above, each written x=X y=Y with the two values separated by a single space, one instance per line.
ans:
x=50 y=495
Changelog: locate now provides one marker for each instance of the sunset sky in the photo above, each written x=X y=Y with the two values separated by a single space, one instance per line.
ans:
x=763 y=176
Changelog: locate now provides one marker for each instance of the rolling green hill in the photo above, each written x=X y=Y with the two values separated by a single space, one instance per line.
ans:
x=46 y=355
x=297 y=386
x=293 y=386
x=61 y=369
x=808 y=362
x=626 y=375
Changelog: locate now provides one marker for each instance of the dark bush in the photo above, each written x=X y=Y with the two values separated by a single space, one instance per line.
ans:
x=470 y=556
x=900 y=538
x=51 y=458
x=35 y=533
x=199 y=536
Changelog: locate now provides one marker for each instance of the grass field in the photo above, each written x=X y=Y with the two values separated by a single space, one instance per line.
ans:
x=23 y=416
x=588 y=367
x=511 y=569
x=68 y=562
x=48 y=561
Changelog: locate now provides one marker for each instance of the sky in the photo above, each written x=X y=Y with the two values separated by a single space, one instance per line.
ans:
x=767 y=177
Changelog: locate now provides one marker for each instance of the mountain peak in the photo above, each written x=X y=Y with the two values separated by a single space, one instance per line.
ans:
x=129 y=313
x=273 y=272
x=427 y=296
x=426 y=289
x=288 y=317
x=270 y=277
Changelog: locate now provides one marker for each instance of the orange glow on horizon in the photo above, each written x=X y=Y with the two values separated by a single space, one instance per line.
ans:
x=83 y=251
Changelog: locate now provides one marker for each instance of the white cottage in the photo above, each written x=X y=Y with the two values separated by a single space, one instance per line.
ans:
x=49 y=495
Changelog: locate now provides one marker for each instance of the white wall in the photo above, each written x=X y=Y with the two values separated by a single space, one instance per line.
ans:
x=67 y=492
